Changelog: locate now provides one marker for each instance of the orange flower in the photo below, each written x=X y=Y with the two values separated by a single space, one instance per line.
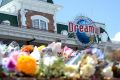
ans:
x=27 y=48
x=26 y=64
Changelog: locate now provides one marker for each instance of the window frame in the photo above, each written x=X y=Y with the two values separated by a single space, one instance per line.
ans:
x=6 y=22
x=35 y=23
x=42 y=20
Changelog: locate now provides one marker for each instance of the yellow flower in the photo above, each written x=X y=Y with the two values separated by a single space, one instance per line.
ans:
x=87 y=70
x=41 y=47
x=26 y=64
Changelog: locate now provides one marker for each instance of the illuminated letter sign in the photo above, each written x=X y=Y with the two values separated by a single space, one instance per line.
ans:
x=84 y=29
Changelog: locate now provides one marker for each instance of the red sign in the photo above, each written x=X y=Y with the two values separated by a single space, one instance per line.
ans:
x=72 y=27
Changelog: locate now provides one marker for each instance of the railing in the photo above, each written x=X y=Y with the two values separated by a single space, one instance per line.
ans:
x=22 y=33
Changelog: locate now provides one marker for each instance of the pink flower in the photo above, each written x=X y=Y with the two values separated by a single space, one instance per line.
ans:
x=9 y=64
x=68 y=51
x=15 y=55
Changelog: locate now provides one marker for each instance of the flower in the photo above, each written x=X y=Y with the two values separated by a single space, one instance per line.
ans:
x=36 y=54
x=89 y=59
x=41 y=47
x=27 y=48
x=9 y=64
x=56 y=48
x=107 y=72
x=15 y=55
x=49 y=60
x=26 y=64
x=87 y=71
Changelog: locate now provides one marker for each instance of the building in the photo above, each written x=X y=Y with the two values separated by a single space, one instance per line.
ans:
x=108 y=47
x=27 y=19
x=23 y=20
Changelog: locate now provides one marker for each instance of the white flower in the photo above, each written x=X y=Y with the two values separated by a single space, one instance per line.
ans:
x=87 y=70
x=107 y=72
x=49 y=60
x=90 y=60
x=36 y=54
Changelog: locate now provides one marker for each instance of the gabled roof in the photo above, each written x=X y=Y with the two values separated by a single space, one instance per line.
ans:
x=4 y=2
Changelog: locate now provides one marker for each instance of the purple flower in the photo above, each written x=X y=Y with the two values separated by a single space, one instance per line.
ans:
x=11 y=65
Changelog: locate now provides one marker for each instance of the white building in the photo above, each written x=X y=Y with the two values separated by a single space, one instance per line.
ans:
x=33 y=19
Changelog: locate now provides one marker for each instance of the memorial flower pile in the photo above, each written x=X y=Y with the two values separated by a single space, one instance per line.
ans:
x=45 y=62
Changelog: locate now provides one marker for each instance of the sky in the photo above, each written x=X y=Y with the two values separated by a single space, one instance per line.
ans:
x=104 y=11
x=0 y=1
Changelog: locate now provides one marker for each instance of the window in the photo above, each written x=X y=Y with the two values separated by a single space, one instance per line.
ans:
x=39 y=22
x=6 y=22
x=43 y=25
x=35 y=23
x=64 y=32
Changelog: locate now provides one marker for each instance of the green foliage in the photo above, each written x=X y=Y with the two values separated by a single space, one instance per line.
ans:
x=57 y=69
x=54 y=70
x=41 y=69
x=1 y=69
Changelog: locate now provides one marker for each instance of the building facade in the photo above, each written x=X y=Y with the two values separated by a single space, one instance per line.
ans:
x=23 y=20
